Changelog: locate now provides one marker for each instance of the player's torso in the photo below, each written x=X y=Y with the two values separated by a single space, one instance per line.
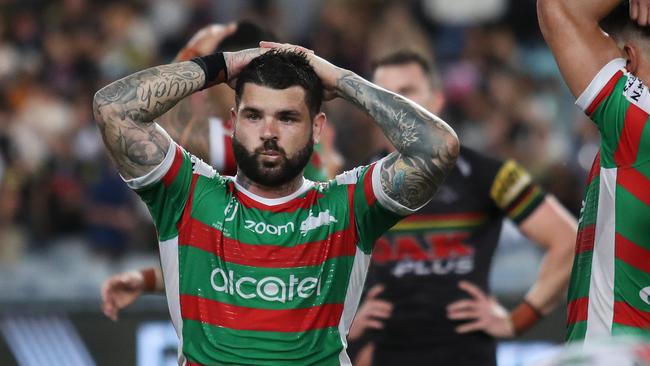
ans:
x=610 y=285
x=422 y=258
x=262 y=282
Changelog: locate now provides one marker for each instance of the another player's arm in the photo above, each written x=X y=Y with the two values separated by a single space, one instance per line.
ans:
x=553 y=228
x=187 y=122
x=426 y=146
x=580 y=47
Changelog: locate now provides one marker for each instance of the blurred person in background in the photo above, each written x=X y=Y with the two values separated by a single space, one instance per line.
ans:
x=201 y=123
x=428 y=301
x=609 y=293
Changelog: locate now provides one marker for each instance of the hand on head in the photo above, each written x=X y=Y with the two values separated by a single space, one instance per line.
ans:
x=327 y=72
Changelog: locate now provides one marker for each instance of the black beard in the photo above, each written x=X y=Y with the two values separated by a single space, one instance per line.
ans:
x=271 y=176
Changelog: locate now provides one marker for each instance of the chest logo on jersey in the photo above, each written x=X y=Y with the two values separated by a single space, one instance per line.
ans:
x=264 y=228
x=443 y=254
x=313 y=222
x=270 y=288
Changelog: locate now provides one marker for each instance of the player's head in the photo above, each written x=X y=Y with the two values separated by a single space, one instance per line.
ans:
x=277 y=118
x=411 y=75
x=632 y=38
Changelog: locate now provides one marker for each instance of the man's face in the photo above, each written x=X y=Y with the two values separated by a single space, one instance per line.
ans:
x=274 y=133
x=410 y=81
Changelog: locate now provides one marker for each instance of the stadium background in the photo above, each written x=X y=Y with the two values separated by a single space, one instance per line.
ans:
x=67 y=222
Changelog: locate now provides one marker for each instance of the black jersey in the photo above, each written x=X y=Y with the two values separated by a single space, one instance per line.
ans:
x=422 y=259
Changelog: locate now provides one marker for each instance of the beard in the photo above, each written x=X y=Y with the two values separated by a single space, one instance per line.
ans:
x=271 y=174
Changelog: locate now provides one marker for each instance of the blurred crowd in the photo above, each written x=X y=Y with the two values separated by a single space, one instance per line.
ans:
x=57 y=185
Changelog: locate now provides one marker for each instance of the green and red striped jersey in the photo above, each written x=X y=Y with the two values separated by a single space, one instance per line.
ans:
x=609 y=291
x=257 y=281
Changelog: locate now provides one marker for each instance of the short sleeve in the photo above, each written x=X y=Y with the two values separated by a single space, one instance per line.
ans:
x=166 y=189
x=374 y=211
x=514 y=192
x=618 y=103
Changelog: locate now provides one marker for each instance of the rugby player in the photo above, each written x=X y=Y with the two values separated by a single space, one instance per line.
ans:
x=430 y=302
x=201 y=124
x=608 y=73
x=267 y=267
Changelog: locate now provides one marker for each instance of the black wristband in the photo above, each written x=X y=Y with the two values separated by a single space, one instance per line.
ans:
x=212 y=66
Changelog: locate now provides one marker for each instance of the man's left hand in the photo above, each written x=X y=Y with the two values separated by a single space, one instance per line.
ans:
x=483 y=312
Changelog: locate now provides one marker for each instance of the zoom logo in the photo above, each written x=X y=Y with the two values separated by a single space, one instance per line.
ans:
x=263 y=228
x=271 y=288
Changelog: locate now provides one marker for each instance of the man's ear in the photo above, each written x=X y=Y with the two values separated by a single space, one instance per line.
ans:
x=632 y=57
x=317 y=123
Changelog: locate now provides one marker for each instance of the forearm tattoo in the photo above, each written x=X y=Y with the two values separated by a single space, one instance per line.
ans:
x=426 y=146
x=125 y=111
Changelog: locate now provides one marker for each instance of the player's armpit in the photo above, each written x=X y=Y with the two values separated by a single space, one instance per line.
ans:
x=580 y=47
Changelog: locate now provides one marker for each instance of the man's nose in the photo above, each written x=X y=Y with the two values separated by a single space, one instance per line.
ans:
x=269 y=129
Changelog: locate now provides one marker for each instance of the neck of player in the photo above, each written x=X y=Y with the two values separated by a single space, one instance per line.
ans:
x=266 y=191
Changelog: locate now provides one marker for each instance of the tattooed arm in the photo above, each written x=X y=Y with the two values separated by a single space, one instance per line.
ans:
x=125 y=110
x=426 y=146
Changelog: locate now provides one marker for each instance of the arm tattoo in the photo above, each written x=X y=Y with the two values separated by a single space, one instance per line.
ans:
x=426 y=146
x=125 y=111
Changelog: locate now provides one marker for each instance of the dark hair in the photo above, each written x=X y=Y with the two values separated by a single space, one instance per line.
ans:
x=281 y=69
x=405 y=57
x=618 y=23
x=247 y=35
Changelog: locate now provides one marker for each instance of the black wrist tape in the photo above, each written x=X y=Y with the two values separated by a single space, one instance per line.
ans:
x=212 y=66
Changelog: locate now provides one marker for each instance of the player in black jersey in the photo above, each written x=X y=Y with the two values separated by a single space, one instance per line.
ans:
x=428 y=301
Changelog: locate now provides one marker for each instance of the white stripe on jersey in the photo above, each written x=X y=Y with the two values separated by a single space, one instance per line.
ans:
x=600 y=311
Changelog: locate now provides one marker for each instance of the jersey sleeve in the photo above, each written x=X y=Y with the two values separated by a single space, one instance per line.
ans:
x=374 y=211
x=166 y=189
x=514 y=192
x=618 y=103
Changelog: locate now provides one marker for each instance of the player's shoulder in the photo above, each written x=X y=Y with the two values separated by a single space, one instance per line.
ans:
x=351 y=176
x=482 y=165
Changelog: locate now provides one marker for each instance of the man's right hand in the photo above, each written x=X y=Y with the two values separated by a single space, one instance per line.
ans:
x=640 y=12
x=120 y=291
x=371 y=314
x=205 y=41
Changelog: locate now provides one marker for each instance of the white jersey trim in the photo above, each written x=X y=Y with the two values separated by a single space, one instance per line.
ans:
x=306 y=185
x=169 y=264
x=599 y=81
x=217 y=146
x=600 y=311
x=159 y=171
x=351 y=303
x=384 y=199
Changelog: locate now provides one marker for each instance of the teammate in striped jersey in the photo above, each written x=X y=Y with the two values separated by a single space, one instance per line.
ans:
x=267 y=267
x=429 y=303
x=201 y=124
x=610 y=284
